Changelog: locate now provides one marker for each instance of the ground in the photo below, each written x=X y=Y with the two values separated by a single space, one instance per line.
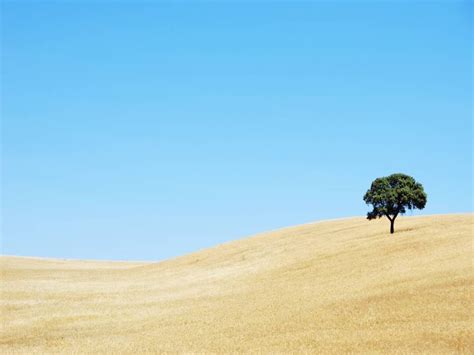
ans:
x=332 y=287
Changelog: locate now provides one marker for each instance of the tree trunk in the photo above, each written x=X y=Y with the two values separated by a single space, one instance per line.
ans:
x=392 y=223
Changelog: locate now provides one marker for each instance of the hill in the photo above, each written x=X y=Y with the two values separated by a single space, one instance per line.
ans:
x=335 y=286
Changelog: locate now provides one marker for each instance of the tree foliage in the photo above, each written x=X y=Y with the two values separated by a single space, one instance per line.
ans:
x=393 y=195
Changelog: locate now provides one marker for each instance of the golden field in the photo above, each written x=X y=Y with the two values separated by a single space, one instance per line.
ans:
x=327 y=287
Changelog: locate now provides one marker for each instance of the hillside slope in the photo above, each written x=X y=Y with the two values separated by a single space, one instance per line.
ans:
x=336 y=286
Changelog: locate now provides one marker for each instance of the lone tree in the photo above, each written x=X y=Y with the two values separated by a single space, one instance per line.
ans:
x=393 y=195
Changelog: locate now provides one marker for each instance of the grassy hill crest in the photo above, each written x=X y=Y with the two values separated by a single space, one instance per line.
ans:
x=335 y=286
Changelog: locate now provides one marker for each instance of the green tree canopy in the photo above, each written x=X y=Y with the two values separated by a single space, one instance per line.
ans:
x=393 y=195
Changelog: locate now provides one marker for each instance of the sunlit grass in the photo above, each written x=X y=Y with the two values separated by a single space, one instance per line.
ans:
x=335 y=286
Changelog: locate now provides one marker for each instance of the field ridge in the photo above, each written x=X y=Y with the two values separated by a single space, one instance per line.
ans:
x=343 y=285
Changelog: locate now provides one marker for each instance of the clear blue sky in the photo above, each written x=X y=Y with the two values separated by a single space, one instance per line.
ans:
x=149 y=130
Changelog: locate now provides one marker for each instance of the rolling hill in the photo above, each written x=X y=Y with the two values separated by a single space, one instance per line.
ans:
x=331 y=287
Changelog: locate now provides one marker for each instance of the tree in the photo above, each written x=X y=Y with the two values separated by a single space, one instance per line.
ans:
x=393 y=195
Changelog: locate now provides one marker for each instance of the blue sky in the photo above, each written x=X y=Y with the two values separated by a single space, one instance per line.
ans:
x=149 y=130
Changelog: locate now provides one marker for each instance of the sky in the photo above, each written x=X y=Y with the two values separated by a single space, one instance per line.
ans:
x=147 y=130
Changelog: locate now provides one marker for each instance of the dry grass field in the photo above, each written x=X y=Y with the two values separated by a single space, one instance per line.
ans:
x=330 y=287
